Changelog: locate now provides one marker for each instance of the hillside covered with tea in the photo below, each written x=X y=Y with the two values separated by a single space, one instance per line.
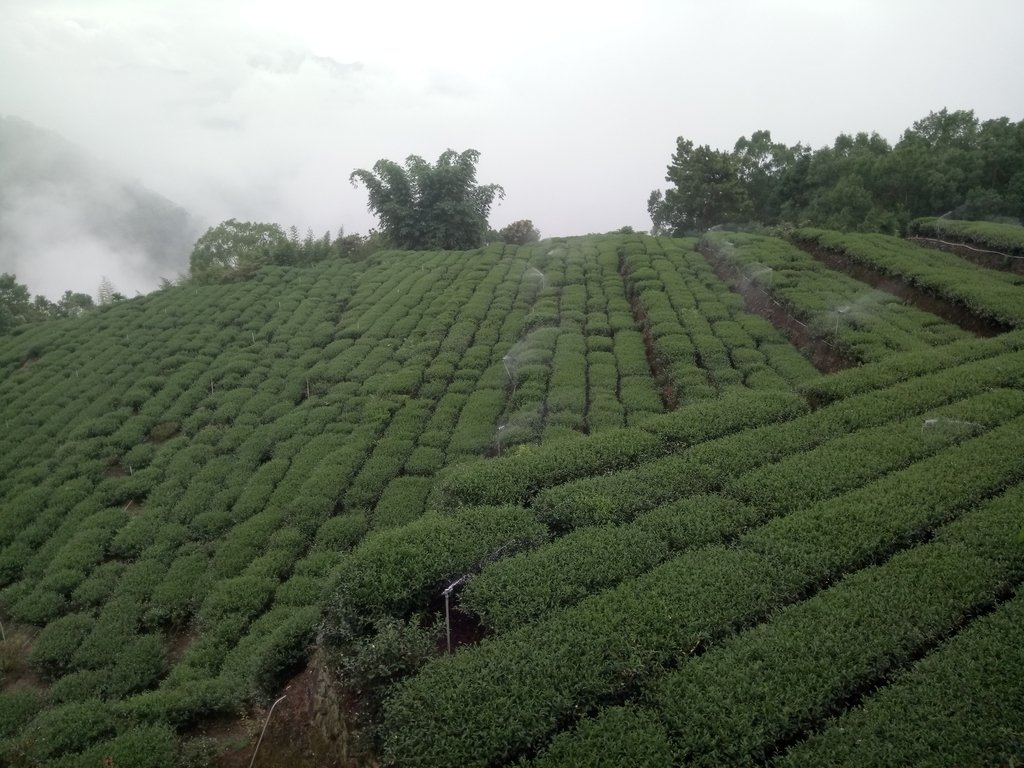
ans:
x=604 y=500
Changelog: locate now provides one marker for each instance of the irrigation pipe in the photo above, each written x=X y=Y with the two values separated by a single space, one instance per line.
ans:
x=965 y=245
x=265 y=724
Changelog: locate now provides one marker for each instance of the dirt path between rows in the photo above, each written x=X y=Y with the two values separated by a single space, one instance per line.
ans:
x=949 y=311
x=822 y=354
x=1004 y=262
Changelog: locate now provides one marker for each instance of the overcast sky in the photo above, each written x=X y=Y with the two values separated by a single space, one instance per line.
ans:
x=261 y=110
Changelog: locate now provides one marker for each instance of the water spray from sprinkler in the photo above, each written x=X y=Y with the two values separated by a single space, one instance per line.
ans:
x=756 y=269
x=537 y=273
x=935 y=423
x=840 y=311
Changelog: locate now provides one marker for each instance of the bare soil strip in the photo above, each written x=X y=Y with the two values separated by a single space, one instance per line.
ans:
x=306 y=729
x=949 y=311
x=980 y=256
x=666 y=387
x=822 y=354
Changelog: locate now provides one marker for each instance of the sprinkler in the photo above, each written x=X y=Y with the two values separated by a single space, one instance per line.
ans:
x=509 y=361
x=929 y=425
x=447 y=609
x=538 y=273
x=840 y=311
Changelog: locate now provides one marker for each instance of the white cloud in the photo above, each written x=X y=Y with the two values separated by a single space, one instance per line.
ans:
x=260 y=110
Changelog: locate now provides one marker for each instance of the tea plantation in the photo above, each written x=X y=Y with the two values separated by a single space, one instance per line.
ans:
x=608 y=500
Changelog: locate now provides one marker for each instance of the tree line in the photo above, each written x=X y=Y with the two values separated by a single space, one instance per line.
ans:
x=17 y=305
x=419 y=205
x=948 y=163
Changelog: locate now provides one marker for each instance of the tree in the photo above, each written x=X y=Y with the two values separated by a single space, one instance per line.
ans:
x=107 y=293
x=423 y=206
x=759 y=163
x=708 y=191
x=234 y=247
x=74 y=304
x=519 y=233
x=15 y=307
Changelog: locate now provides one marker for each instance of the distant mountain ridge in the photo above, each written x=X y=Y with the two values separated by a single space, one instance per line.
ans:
x=64 y=216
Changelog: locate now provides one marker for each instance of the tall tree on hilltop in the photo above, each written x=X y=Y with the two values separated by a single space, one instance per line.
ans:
x=423 y=206
x=708 y=190
x=233 y=246
x=15 y=304
x=519 y=233
x=759 y=162
x=945 y=163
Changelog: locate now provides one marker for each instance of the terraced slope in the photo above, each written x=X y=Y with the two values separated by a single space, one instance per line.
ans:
x=641 y=499
x=999 y=246
x=795 y=510
x=985 y=293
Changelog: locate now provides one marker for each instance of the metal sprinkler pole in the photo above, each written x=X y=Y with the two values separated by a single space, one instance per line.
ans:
x=840 y=311
x=447 y=609
x=448 y=621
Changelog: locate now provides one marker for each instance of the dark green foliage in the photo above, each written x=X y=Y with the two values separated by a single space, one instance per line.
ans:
x=15 y=303
x=424 y=206
x=615 y=737
x=986 y=293
x=908 y=365
x=402 y=501
x=62 y=729
x=39 y=606
x=523 y=588
x=142 y=747
x=393 y=650
x=274 y=645
x=707 y=191
x=236 y=249
x=83 y=685
x=183 y=588
x=425 y=460
x=55 y=647
x=947 y=162
x=603 y=645
x=916 y=721
x=192 y=496
x=731 y=705
x=863 y=323
x=519 y=233
x=140 y=664
x=242 y=595
x=342 y=532
x=513 y=478
x=604 y=654
x=17 y=707
x=1008 y=238
x=396 y=570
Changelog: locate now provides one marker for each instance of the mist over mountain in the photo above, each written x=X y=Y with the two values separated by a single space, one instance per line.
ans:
x=66 y=221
